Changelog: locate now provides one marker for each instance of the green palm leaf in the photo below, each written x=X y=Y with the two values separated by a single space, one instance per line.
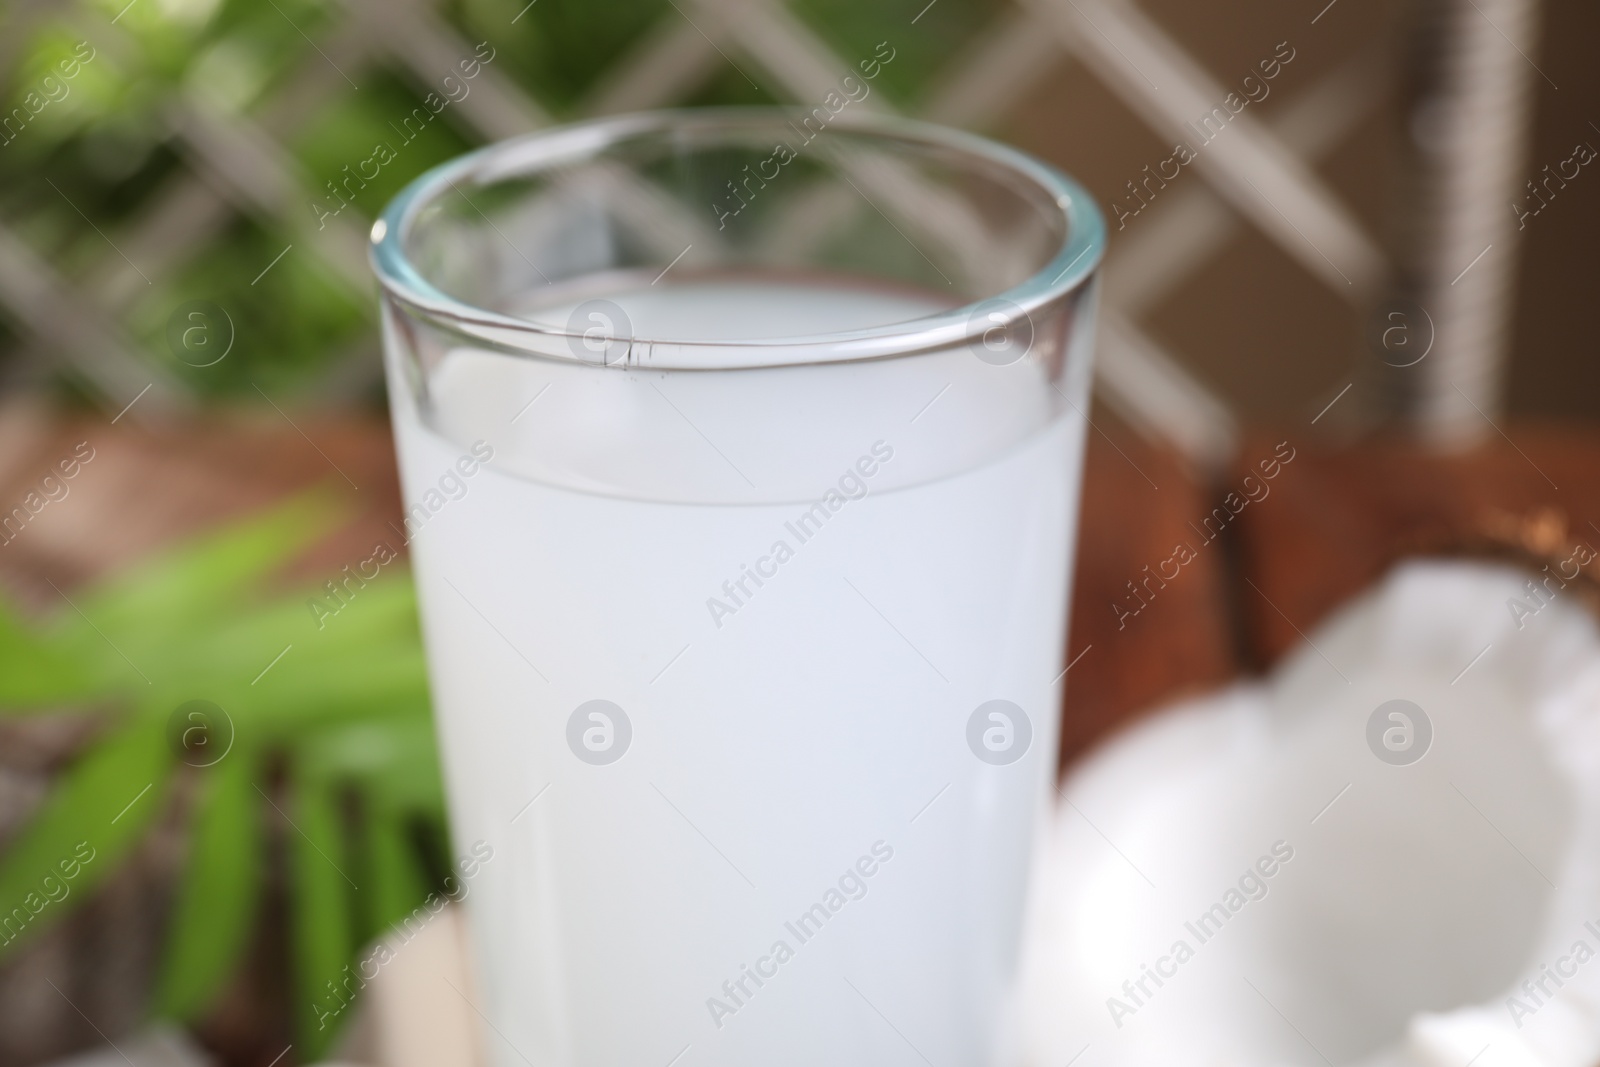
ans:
x=96 y=814
x=217 y=901
x=322 y=936
x=343 y=697
x=189 y=586
x=398 y=884
x=36 y=672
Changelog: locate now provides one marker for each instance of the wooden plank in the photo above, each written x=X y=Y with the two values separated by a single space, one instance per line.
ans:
x=1337 y=521
x=1174 y=637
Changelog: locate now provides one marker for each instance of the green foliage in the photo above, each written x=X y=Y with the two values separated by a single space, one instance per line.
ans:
x=270 y=349
x=97 y=814
x=211 y=922
x=187 y=586
x=854 y=30
x=323 y=931
x=347 y=133
x=35 y=672
x=323 y=742
x=110 y=148
x=558 y=49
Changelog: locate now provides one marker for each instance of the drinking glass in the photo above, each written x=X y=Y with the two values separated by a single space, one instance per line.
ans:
x=741 y=454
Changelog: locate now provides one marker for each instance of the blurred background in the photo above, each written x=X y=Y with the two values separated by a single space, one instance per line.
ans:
x=1362 y=231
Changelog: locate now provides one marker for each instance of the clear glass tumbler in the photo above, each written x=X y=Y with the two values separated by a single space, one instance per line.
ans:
x=741 y=453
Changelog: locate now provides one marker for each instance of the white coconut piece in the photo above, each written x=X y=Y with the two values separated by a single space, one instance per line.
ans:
x=1339 y=901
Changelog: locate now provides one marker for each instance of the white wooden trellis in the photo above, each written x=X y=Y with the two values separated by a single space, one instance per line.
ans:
x=1259 y=172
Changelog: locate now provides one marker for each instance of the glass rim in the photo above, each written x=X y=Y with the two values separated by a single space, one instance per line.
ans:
x=1070 y=268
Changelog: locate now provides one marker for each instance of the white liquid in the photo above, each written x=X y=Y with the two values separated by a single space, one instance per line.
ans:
x=821 y=718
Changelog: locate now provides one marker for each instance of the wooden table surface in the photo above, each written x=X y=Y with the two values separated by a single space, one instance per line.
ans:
x=1327 y=525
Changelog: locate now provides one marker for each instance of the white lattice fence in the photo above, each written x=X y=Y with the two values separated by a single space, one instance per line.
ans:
x=1261 y=173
